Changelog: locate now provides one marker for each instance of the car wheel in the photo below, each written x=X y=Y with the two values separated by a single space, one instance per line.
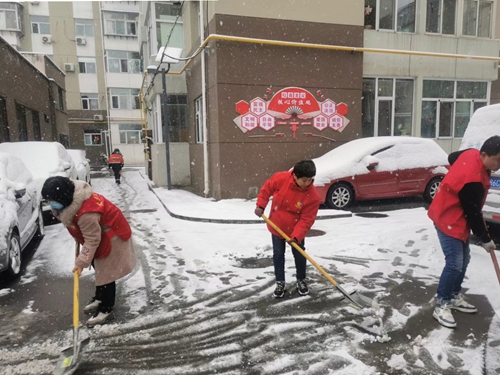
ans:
x=40 y=231
x=340 y=196
x=14 y=254
x=432 y=188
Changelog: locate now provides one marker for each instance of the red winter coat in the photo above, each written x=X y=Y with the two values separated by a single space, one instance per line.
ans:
x=293 y=209
x=116 y=159
x=445 y=210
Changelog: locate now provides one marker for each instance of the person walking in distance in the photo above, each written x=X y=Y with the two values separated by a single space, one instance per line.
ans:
x=455 y=211
x=104 y=233
x=116 y=164
x=294 y=208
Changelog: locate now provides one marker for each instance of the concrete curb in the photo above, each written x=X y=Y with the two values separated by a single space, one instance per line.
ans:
x=228 y=221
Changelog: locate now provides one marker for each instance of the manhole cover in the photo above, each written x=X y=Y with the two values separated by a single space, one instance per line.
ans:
x=315 y=233
x=371 y=215
x=254 y=262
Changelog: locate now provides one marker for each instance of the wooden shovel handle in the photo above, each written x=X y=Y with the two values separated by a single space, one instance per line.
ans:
x=495 y=263
x=76 y=291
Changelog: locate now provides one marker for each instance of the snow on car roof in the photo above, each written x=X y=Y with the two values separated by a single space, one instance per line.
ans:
x=41 y=158
x=484 y=123
x=77 y=155
x=344 y=160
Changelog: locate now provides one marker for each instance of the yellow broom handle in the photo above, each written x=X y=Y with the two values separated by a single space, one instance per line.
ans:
x=297 y=247
x=76 y=288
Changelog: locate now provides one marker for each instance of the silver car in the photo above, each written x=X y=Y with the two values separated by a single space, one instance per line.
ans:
x=20 y=213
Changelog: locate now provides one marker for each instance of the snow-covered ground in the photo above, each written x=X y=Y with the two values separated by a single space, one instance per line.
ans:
x=200 y=301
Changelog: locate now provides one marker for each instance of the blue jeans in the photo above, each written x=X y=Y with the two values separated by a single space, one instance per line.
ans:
x=457 y=257
x=279 y=259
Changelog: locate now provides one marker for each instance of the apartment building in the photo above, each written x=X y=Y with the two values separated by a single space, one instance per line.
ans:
x=96 y=45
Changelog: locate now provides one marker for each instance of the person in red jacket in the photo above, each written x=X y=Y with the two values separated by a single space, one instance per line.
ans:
x=104 y=233
x=294 y=209
x=116 y=163
x=455 y=210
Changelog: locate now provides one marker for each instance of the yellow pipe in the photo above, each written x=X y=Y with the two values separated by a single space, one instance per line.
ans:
x=282 y=43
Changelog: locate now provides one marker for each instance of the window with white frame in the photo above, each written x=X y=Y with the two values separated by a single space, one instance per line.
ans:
x=86 y=65
x=198 y=120
x=10 y=16
x=441 y=16
x=84 y=27
x=166 y=14
x=447 y=106
x=92 y=137
x=395 y=15
x=387 y=106
x=124 y=62
x=120 y=23
x=477 y=18
x=40 y=25
x=90 y=101
x=125 y=98
x=130 y=133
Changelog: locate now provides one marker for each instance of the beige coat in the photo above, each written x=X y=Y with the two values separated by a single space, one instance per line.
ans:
x=122 y=258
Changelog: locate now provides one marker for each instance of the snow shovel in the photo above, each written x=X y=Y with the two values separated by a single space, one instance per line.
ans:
x=357 y=300
x=69 y=356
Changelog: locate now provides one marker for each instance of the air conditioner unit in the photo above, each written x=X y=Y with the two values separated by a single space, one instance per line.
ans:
x=98 y=117
x=47 y=39
x=81 y=41
x=68 y=67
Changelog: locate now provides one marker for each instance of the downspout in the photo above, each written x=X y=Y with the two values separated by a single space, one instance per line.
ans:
x=204 y=106
x=106 y=89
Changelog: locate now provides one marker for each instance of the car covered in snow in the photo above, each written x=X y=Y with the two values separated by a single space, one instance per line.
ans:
x=485 y=123
x=20 y=212
x=82 y=164
x=43 y=160
x=380 y=167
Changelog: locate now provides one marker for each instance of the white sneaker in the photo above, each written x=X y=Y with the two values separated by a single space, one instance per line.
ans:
x=444 y=316
x=91 y=306
x=458 y=303
x=98 y=318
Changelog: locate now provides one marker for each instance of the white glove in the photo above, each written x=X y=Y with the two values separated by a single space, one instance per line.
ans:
x=489 y=246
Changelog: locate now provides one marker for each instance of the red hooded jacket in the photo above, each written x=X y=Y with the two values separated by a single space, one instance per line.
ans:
x=445 y=210
x=293 y=209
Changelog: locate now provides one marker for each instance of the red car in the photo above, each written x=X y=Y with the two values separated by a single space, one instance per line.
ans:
x=380 y=167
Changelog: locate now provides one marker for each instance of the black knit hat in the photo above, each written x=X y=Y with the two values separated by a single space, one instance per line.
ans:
x=59 y=189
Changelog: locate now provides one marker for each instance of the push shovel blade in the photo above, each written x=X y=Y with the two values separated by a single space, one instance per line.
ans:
x=68 y=358
x=358 y=300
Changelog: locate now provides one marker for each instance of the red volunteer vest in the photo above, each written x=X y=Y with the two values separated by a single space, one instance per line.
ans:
x=116 y=159
x=445 y=210
x=111 y=217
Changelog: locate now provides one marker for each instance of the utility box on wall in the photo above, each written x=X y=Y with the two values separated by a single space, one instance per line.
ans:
x=180 y=174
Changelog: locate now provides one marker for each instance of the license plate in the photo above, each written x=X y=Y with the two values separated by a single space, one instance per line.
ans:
x=495 y=182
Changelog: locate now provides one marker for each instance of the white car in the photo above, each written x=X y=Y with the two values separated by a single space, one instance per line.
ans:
x=43 y=160
x=485 y=123
x=20 y=213
x=82 y=164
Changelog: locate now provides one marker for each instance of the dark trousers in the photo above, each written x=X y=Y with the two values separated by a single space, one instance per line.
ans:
x=279 y=245
x=116 y=170
x=106 y=294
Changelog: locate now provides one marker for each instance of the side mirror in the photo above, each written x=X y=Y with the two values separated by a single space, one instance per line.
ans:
x=372 y=165
x=19 y=193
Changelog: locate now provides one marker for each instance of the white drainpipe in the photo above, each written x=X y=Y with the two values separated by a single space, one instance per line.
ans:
x=204 y=106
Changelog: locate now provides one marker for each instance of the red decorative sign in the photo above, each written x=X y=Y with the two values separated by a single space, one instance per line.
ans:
x=294 y=107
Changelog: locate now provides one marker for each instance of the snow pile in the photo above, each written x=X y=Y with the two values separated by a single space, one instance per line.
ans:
x=484 y=123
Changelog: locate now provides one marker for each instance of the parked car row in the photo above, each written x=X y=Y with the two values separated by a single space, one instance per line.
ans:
x=24 y=167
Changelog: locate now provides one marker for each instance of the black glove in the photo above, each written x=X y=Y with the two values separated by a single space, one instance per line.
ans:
x=293 y=240
x=259 y=211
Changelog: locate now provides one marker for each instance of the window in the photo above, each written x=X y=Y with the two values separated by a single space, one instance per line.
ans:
x=60 y=95
x=40 y=25
x=10 y=16
x=21 y=122
x=441 y=16
x=86 y=65
x=477 y=18
x=117 y=23
x=198 y=120
x=90 y=101
x=35 y=117
x=177 y=113
x=396 y=15
x=84 y=27
x=447 y=106
x=166 y=14
x=92 y=137
x=387 y=106
x=4 y=127
x=124 y=62
x=130 y=133
x=125 y=98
